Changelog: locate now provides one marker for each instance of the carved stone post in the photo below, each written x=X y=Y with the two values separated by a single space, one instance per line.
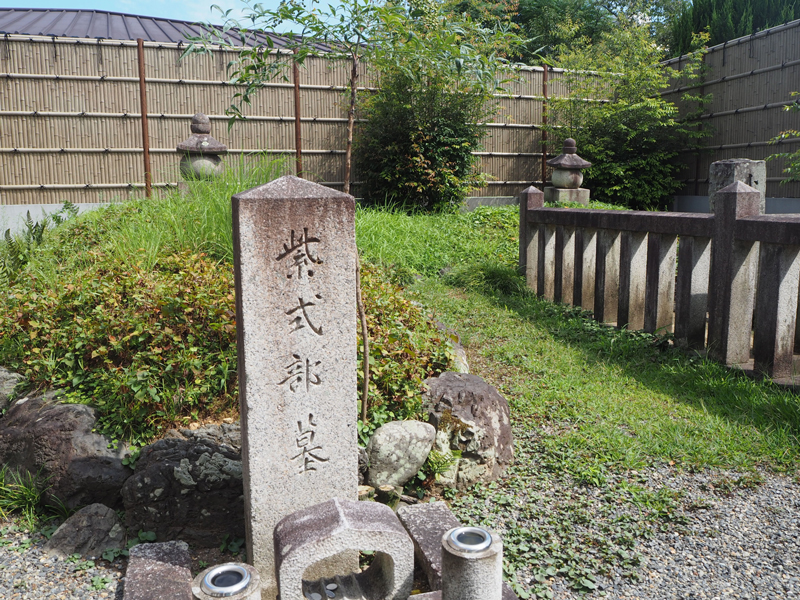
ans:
x=732 y=276
x=295 y=267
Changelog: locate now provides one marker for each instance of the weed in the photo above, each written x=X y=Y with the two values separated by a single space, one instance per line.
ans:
x=79 y=563
x=143 y=537
x=99 y=582
x=21 y=492
x=234 y=545
x=112 y=554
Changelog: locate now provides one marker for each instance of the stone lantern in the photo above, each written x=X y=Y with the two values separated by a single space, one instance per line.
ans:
x=567 y=176
x=201 y=152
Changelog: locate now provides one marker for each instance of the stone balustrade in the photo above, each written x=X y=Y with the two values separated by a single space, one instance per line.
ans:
x=724 y=281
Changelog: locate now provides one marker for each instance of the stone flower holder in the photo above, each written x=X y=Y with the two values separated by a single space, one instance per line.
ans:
x=567 y=176
x=201 y=152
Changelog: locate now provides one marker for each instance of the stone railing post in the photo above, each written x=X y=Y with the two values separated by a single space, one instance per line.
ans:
x=606 y=282
x=691 y=292
x=632 y=278
x=776 y=309
x=531 y=198
x=732 y=276
x=659 y=300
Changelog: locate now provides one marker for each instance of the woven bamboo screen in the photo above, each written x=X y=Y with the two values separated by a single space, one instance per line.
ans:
x=750 y=79
x=70 y=119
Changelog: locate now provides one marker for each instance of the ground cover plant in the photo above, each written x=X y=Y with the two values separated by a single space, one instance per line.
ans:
x=131 y=309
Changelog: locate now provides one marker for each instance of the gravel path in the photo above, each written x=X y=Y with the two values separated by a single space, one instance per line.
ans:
x=740 y=543
x=737 y=542
x=26 y=572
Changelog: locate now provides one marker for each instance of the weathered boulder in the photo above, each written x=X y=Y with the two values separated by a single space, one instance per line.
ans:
x=89 y=532
x=41 y=435
x=224 y=434
x=186 y=489
x=8 y=381
x=471 y=418
x=397 y=450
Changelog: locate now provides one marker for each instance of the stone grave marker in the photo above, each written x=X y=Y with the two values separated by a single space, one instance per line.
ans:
x=295 y=261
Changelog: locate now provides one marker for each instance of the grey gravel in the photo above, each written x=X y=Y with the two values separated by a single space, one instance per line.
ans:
x=31 y=574
x=743 y=543
x=739 y=543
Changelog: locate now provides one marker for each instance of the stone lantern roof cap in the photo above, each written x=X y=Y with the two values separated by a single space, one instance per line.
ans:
x=201 y=142
x=569 y=159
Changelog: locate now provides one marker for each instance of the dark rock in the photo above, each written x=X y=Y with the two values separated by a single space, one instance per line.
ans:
x=41 y=435
x=470 y=417
x=159 y=571
x=189 y=490
x=8 y=381
x=89 y=532
x=223 y=435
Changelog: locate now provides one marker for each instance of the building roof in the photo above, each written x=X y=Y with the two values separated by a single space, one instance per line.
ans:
x=102 y=24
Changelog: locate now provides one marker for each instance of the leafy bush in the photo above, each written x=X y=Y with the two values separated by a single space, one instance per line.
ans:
x=148 y=337
x=438 y=73
x=405 y=348
x=415 y=150
x=792 y=168
x=621 y=124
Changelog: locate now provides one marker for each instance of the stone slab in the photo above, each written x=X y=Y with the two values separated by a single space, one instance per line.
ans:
x=426 y=524
x=159 y=572
x=295 y=267
x=553 y=194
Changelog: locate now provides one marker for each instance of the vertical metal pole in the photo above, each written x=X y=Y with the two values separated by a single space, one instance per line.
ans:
x=297 y=140
x=544 y=124
x=148 y=176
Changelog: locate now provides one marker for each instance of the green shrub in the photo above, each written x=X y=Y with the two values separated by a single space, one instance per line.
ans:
x=415 y=150
x=630 y=134
x=149 y=337
x=405 y=348
x=792 y=165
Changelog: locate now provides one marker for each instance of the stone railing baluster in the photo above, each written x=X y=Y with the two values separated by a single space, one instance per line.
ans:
x=776 y=309
x=659 y=300
x=632 y=277
x=691 y=291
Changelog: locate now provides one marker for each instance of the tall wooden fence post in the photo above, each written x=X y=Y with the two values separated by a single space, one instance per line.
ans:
x=732 y=276
x=148 y=175
x=297 y=129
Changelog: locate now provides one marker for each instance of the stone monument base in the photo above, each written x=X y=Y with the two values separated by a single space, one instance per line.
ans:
x=553 y=194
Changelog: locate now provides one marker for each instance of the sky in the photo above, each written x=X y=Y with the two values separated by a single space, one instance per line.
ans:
x=184 y=10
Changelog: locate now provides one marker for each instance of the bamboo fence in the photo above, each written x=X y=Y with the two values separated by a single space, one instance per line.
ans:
x=750 y=80
x=71 y=122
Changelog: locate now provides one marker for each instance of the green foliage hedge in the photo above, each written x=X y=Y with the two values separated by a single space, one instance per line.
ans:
x=151 y=341
x=415 y=149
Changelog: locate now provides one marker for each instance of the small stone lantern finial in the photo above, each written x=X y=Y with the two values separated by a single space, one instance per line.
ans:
x=201 y=152
x=567 y=176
